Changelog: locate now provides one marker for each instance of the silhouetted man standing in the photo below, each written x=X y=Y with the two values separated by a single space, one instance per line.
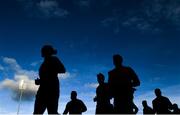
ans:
x=147 y=109
x=75 y=106
x=121 y=82
x=103 y=97
x=161 y=104
x=48 y=93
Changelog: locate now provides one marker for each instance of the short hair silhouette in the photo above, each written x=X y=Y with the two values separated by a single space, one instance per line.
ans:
x=144 y=103
x=175 y=105
x=158 y=92
x=48 y=50
x=73 y=95
x=176 y=109
x=100 y=78
x=117 y=60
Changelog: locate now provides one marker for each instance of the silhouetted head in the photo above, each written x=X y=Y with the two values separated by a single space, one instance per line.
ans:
x=100 y=78
x=117 y=60
x=157 y=91
x=175 y=106
x=73 y=95
x=144 y=103
x=48 y=50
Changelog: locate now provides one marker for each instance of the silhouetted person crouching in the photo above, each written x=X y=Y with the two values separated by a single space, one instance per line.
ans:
x=103 y=97
x=161 y=104
x=146 y=108
x=75 y=106
x=122 y=81
x=48 y=93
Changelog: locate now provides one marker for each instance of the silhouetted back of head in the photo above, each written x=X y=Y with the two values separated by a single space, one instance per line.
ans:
x=175 y=106
x=117 y=60
x=73 y=95
x=157 y=92
x=48 y=50
x=100 y=78
x=144 y=103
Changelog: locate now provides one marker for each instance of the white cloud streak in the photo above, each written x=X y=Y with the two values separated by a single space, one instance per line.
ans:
x=51 y=9
x=91 y=85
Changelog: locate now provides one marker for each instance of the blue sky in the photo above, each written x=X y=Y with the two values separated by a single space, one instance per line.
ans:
x=86 y=34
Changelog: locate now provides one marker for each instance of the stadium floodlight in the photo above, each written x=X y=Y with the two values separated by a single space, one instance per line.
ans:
x=21 y=88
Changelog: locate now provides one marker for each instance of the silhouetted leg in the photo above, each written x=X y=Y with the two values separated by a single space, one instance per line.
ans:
x=118 y=108
x=52 y=106
x=39 y=106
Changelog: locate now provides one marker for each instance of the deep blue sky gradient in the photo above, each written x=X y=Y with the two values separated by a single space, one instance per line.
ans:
x=145 y=33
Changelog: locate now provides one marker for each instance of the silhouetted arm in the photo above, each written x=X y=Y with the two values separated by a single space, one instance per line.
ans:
x=110 y=82
x=135 y=80
x=170 y=105
x=154 y=106
x=66 y=109
x=83 y=107
x=135 y=108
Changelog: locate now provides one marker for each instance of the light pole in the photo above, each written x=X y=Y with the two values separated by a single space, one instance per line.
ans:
x=21 y=88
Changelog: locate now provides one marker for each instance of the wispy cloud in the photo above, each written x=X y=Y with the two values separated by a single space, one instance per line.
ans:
x=152 y=16
x=36 y=63
x=12 y=65
x=83 y=3
x=91 y=85
x=19 y=74
x=44 y=8
x=1 y=68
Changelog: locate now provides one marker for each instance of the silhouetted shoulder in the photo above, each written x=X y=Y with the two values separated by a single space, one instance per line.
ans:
x=59 y=66
x=111 y=71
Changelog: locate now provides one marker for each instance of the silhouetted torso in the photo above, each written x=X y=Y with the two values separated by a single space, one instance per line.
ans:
x=148 y=110
x=102 y=93
x=103 y=100
x=121 y=82
x=75 y=107
x=161 y=105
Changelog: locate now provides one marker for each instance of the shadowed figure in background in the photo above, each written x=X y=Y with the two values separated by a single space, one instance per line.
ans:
x=122 y=81
x=75 y=106
x=147 y=109
x=161 y=104
x=48 y=93
x=103 y=97
x=176 y=110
